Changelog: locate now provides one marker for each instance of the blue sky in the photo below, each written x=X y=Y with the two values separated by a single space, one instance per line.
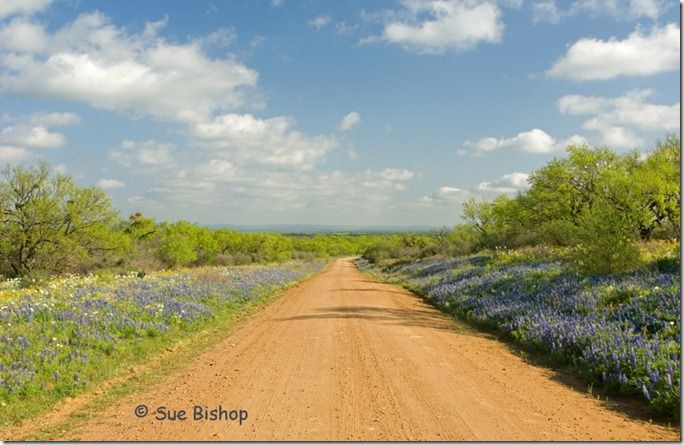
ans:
x=321 y=112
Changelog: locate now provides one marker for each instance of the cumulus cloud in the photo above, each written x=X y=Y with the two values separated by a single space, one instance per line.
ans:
x=22 y=7
x=32 y=131
x=9 y=154
x=640 y=54
x=349 y=121
x=510 y=183
x=533 y=141
x=438 y=26
x=23 y=36
x=143 y=74
x=93 y=61
x=549 y=12
x=320 y=22
x=108 y=184
x=615 y=119
x=445 y=195
x=246 y=139
x=36 y=136
x=146 y=154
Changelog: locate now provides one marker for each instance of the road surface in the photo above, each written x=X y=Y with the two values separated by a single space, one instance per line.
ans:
x=343 y=357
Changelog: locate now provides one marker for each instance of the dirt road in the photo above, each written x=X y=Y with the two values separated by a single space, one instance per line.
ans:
x=344 y=357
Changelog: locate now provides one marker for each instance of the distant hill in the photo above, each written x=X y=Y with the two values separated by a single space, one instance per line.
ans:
x=308 y=229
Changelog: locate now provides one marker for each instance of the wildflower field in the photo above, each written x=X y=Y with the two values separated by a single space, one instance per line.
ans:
x=58 y=338
x=621 y=331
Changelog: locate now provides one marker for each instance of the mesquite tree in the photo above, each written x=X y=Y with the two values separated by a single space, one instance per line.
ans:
x=48 y=222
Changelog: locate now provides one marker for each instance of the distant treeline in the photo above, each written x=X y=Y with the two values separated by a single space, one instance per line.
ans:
x=50 y=225
x=594 y=208
x=594 y=204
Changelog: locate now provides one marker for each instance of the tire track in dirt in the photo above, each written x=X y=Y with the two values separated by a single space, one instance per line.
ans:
x=343 y=357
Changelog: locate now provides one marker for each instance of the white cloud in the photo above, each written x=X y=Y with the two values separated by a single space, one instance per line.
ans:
x=216 y=170
x=23 y=36
x=387 y=179
x=575 y=139
x=37 y=136
x=445 y=195
x=533 y=141
x=510 y=183
x=245 y=139
x=619 y=137
x=320 y=22
x=222 y=37
x=549 y=12
x=110 y=184
x=145 y=154
x=93 y=61
x=647 y=8
x=438 y=26
x=54 y=119
x=396 y=174
x=22 y=7
x=448 y=191
x=344 y=28
x=9 y=154
x=276 y=3
x=220 y=184
x=32 y=131
x=616 y=118
x=349 y=121
x=640 y=54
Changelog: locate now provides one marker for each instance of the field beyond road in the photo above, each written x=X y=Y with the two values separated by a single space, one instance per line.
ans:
x=343 y=357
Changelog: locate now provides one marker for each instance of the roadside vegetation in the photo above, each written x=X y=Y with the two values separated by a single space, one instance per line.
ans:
x=85 y=294
x=584 y=267
x=75 y=331
x=51 y=226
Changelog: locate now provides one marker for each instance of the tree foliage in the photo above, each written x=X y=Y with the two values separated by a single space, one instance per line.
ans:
x=47 y=222
x=594 y=201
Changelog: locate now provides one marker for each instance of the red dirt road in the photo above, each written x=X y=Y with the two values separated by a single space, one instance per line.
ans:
x=344 y=357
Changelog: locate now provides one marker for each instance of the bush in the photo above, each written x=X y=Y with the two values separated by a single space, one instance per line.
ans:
x=607 y=242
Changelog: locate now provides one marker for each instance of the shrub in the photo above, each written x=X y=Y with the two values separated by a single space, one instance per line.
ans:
x=607 y=242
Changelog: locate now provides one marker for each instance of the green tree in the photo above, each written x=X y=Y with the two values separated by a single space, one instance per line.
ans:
x=139 y=227
x=177 y=243
x=657 y=182
x=606 y=241
x=47 y=222
x=499 y=223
